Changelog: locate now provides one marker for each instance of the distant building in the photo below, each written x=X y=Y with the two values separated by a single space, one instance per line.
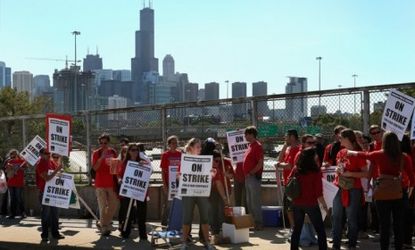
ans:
x=8 y=82
x=211 y=91
x=23 y=81
x=41 y=85
x=239 y=90
x=161 y=92
x=296 y=107
x=318 y=110
x=102 y=75
x=115 y=102
x=191 y=92
x=92 y=62
x=121 y=75
x=73 y=95
x=379 y=107
x=5 y=77
x=201 y=95
x=168 y=67
x=261 y=89
x=109 y=88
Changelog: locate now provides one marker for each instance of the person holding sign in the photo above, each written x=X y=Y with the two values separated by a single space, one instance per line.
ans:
x=45 y=171
x=104 y=183
x=253 y=167
x=170 y=161
x=194 y=147
x=391 y=162
x=15 y=172
x=133 y=154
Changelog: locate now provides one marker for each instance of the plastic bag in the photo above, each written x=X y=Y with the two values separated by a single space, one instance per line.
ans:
x=3 y=182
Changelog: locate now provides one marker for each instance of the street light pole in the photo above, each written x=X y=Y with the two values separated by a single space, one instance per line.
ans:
x=339 y=98
x=319 y=81
x=354 y=85
x=75 y=33
x=227 y=89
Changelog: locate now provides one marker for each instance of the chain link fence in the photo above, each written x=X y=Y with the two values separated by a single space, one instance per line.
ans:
x=316 y=112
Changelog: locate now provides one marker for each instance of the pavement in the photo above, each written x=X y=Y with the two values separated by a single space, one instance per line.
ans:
x=83 y=234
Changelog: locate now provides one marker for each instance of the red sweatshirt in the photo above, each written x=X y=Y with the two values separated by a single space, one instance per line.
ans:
x=311 y=188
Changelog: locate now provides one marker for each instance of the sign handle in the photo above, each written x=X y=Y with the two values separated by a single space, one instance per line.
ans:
x=279 y=184
x=224 y=176
x=127 y=217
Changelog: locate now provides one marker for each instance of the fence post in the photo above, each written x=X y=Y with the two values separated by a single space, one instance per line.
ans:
x=24 y=137
x=88 y=146
x=366 y=111
x=163 y=127
x=254 y=113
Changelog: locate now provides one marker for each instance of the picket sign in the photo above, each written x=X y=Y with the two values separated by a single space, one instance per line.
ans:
x=31 y=153
x=58 y=190
x=237 y=144
x=173 y=188
x=58 y=132
x=195 y=175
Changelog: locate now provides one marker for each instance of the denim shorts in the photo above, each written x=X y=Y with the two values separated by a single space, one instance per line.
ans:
x=188 y=207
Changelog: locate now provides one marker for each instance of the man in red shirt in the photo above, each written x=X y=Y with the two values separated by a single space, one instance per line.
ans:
x=170 y=158
x=15 y=170
x=253 y=166
x=104 y=184
x=331 y=150
x=45 y=171
x=292 y=149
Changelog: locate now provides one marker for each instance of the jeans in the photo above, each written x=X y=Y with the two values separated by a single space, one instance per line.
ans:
x=253 y=198
x=4 y=203
x=352 y=213
x=107 y=203
x=240 y=194
x=386 y=209
x=363 y=214
x=315 y=216
x=189 y=205
x=165 y=209
x=216 y=212
x=408 y=220
x=140 y=213
x=16 y=200
x=49 y=218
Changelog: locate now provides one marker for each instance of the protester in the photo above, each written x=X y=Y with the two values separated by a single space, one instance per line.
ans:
x=170 y=158
x=293 y=147
x=104 y=184
x=140 y=211
x=319 y=146
x=308 y=175
x=15 y=167
x=239 y=187
x=391 y=162
x=348 y=199
x=49 y=215
x=193 y=147
x=331 y=150
x=253 y=166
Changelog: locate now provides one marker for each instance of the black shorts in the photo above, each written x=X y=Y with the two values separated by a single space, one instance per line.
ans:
x=288 y=205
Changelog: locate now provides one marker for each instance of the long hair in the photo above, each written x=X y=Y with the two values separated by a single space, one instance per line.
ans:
x=191 y=143
x=351 y=136
x=391 y=146
x=406 y=144
x=307 y=161
x=128 y=156
x=209 y=145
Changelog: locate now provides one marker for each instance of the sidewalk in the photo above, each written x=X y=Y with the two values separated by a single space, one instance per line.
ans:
x=83 y=234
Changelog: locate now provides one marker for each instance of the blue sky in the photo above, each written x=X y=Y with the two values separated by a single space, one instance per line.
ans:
x=218 y=40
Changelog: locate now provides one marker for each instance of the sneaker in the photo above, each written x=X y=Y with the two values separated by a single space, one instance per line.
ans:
x=209 y=247
x=59 y=237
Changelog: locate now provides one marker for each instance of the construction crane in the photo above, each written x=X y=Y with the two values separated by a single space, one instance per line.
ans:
x=54 y=59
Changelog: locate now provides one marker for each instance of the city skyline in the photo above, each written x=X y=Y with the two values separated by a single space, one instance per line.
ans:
x=366 y=43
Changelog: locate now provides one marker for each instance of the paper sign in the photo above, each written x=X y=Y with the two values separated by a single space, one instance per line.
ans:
x=58 y=132
x=237 y=145
x=397 y=114
x=173 y=181
x=329 y=173
x=413 y=127
x=329 y=192
x=136 y=181
x=31 y=152
x=195 y=178
x=58 y=191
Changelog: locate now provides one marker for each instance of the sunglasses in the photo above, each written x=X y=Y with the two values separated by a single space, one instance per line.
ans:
x=375 y=133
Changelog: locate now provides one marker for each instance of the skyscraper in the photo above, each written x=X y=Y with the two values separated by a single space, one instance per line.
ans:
x=8 y=77
x=191 y=92
x=296 y=107
x=23 y=81
x=2 y=74
x=122 y=75
x=144 y=60
x=261 y=89
x=212 y=91
x=168 y=67
x=41 y=84
x=239 y=90
x=92 y=62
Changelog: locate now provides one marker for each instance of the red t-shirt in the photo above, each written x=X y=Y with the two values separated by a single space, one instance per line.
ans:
x=43 y=167
x=289 y=157
x=352 y=164
x=311 y=186
x=18 y=178
x=252 y=156
x=239 y=173
x=375 y=168
x=218 y=174
x=388 y=167
x=103 y=176
x=168 y=159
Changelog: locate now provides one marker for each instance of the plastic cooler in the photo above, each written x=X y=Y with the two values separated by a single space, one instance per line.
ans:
x=272 y=216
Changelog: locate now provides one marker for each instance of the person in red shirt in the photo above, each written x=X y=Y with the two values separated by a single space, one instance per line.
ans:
x=253 y=166
x=170 y=158
x=105 y=184
x=348 y=201
x=292 y=149
x=331 y=150
x=15 y=167
x=45 y=171
x=391 y=162
x=308 y=175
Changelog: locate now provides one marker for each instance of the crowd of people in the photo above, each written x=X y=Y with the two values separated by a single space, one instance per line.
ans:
x=362 y=165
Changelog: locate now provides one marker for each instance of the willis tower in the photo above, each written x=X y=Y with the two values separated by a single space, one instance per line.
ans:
x=144 y=60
